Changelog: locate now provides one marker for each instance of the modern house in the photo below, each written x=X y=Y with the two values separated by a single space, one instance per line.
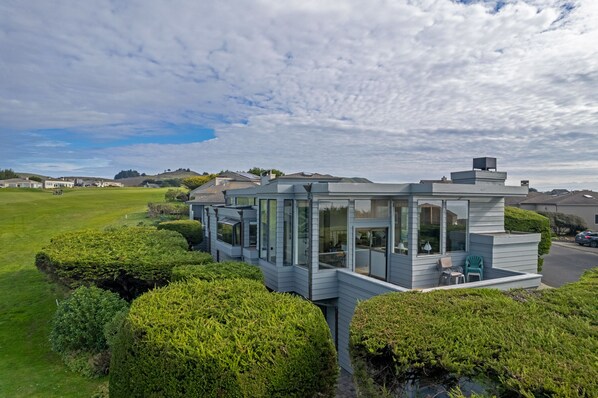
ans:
x=20 y=183
x=583 y=204
x=53 y=184
x=335 y=241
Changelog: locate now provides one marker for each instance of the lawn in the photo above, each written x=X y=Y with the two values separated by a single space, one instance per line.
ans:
x=28 y=220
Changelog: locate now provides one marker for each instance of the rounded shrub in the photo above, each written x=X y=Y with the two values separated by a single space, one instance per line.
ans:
x=227 y=338
x=519 y=343
x=128 y=260
x=190 y=229
x=215 y=271
x=78 y=324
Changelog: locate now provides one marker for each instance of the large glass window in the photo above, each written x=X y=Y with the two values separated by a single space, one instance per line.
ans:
x=264 y=229
x=430 y=218
x=333 y=234
x=272 y=231
x=365 y=208
x=288 y=232
x=229 y=232
x=302 y=231
x=457 y=216
x=401 y=208
x=245 y=201
x=268 y=230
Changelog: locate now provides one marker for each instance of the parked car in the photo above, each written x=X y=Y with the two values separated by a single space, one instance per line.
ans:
x=587 y=238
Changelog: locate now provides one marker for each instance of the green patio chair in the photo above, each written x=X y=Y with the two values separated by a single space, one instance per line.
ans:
x=474 y=265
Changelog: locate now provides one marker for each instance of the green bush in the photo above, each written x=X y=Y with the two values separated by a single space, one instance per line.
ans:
x=191 y=229
x=172 y=209
x=215 y=271
x=519 y=343
x=77 y=332
x=529 y=221
x=176 y=195
x=228 y=338
x=128 y=260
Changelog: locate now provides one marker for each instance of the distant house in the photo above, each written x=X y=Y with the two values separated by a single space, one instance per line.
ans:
x=583 y=204
x=20 y=183
x=150 y=185
x=53 y=184
x=104 y=184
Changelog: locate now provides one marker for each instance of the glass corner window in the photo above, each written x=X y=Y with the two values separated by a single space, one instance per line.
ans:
x=430 y=218
x=457 y=219
x=401 y=209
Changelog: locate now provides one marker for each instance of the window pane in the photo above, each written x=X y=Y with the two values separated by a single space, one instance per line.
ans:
x=429 y=226
x=264 y=229
x=288 y=232
x=236 y=235
x=252 y=234
x=365 y=208
x=333 y=234
x=302 y=231
x=457 y=217
x=272 y=230
x=225 y=233
x=401 y=226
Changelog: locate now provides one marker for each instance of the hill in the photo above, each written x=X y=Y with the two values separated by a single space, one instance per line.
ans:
x=169 y=175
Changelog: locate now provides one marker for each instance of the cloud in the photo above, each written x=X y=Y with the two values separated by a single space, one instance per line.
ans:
x=393 y=91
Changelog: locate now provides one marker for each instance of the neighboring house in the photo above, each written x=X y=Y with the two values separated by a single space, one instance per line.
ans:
x=335 y=241
x=104 y=184
x=52 y=184
x=212 y=193
x=583 y=204
x=20 y=183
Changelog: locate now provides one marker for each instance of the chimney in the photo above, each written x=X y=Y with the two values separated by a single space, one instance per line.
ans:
x=266 y=177
x=481 y=173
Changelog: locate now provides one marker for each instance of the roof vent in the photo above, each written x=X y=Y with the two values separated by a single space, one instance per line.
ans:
x=306 y=174
x=484 y=163
x=588 y=196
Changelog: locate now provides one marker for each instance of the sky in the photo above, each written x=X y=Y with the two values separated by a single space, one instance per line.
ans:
x=394 y=91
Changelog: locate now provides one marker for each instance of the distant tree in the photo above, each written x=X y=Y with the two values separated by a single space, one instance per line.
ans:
x=565 y=224
x=196 y=181
x=35 y=178
x=258 y=171
x=8 y=173
x=176 y=195
x=126 y=174
x=533 y=190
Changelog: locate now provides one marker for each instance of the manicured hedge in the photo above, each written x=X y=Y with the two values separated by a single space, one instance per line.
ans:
x=520 y=343
x=529 y=221
x=190 y=229
x=128 y=261
x=228 y=338
x=216 y=271
x=167 y=209
x=564 y=224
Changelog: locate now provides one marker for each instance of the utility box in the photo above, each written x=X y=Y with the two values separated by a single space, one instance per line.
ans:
x=484 y=163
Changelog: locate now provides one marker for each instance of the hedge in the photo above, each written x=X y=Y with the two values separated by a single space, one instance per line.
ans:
x=215 y=271
x=128 y=260
x=529 y=221
x=228 y=338
x=519 y=343
x=564 y=224
x=167 y=209
x=191 y=230
x=77 y=331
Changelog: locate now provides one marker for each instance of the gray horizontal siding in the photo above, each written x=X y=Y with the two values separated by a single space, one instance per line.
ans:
x=286 y=279
x=270 y=274
x=351 y=288
x=399 y=270
x=300 y=286
x=324 y=285
x=487 y=215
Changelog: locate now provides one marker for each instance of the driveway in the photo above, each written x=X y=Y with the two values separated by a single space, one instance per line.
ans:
x=566 y=262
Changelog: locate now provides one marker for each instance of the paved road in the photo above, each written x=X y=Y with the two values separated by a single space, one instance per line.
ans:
x=566 y=262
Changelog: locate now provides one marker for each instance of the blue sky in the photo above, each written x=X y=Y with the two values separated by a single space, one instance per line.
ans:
x=395 y=91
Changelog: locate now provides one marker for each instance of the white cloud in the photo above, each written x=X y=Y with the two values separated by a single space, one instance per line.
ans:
x=394 y=91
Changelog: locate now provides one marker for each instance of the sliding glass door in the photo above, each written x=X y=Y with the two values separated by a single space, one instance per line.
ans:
x=370 y=251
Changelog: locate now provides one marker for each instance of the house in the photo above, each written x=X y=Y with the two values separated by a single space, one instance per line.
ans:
x=20 y=183
x=52 y=184
x=335 y=241
x=583 y=204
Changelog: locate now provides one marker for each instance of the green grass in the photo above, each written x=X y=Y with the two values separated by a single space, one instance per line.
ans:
x=28 y=220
